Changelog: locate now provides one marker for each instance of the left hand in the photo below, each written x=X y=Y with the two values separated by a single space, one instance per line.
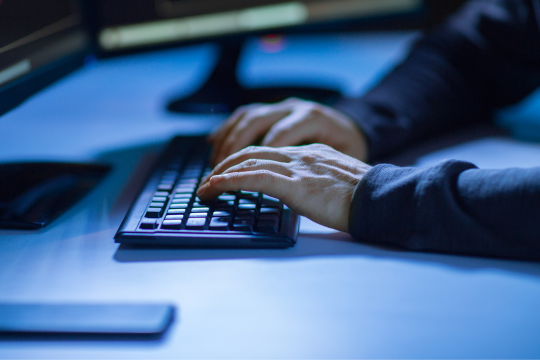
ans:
x=315 y=181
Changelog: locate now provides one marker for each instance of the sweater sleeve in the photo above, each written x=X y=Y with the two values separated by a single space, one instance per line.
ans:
x=452 y=207
x=485 y=57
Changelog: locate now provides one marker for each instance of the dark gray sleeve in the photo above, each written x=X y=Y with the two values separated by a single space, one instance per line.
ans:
x=483 y=58
x=452 y=207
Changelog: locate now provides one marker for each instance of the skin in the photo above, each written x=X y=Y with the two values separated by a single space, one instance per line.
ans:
x=315 y=181
x=288 y=123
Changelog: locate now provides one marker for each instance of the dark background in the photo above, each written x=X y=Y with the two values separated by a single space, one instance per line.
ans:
x=19 y=18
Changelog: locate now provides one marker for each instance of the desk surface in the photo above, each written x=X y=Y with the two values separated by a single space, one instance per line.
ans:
x=328 y=297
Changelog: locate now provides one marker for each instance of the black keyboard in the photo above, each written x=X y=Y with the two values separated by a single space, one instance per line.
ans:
x=168 y=212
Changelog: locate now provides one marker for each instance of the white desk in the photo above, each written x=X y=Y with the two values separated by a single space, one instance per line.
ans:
x=328 y=297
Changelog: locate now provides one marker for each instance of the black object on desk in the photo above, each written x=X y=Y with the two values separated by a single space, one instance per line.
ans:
x=168 y=211
x=34 y=194
x=101 y=319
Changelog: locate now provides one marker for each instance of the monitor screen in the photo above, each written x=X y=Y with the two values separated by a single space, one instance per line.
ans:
x=131 y=24
x=35 y=33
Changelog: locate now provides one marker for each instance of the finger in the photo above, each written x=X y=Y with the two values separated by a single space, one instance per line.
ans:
x=277 y=167
x=252 y=152
x=268 y=182
x=248 y=129
x=221 y=134
x=234 y=140
x=297 y=128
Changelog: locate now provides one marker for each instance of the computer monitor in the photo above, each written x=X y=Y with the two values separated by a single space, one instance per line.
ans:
x=124 y=26
x=40 y=41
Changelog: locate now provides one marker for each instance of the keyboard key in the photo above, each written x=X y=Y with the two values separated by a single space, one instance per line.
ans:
x=247 y=207
x=274 y=217
x=172 y=224
x=269 y=225
x=184 y=190
x=227 y=197
x=247 y=201
x=161 y=193
x=224 y=204
x=219 y=223
x=148 y=224
x=253 y=193
x=174 y=217
x=159 y=199
x=243 y=224
x=181 y=200
x=180 y=197
x=179 y=206
x=154 y=212
x=270 y=198
x=176 y=211
x=269 y=210
x=188 y=181
x=165 y=187
x=200 y=209
x=170 y=173
x=157 y=204
x=197 y=214
x=270 y=201
x=245 y=214
x=195 y=223
x=222 y=213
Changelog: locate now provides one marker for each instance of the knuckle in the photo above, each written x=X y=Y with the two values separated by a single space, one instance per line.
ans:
x=250 y=163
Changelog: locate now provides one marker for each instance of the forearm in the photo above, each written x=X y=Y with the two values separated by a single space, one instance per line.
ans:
x=452 y=207
x=485 y=57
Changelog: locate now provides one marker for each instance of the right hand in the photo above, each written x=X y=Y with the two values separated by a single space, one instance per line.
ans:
x=288 y=123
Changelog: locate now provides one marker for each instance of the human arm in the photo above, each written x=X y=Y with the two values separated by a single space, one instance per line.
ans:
x=291 y=122
x=451 y=207
x=315 y=181
x=483 y=58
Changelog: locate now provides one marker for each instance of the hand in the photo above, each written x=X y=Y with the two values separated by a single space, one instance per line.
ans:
x=315 y=181
x=291 y=122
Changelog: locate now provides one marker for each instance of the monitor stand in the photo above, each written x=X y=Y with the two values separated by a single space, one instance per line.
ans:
x=222 y=93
